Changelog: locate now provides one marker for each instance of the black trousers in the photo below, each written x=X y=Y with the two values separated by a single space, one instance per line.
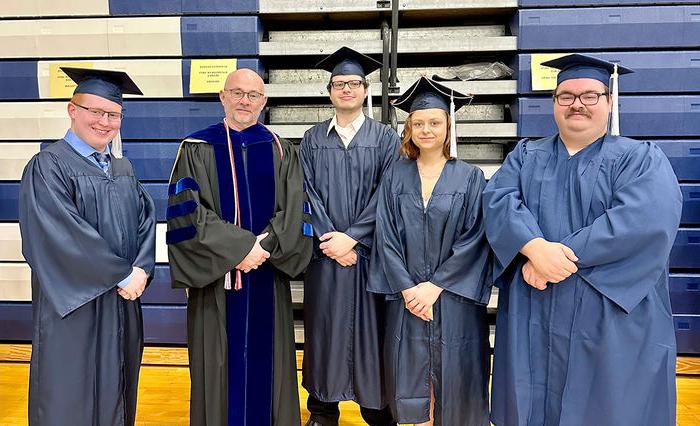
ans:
x=328 y=413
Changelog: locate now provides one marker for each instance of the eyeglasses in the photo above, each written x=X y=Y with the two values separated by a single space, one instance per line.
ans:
x=237 y=95
x=97 y=113
x=587 y=98
x=340 y=85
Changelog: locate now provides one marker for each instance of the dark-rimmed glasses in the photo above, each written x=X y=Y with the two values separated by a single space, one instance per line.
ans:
x=97 y=113
x=340 y=85
x=587 y=98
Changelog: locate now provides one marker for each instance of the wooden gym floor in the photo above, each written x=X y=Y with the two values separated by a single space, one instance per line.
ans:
x=164 y=389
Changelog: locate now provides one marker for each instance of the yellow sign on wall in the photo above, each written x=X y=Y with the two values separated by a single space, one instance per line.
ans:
x=60 y=85
x=209 y=75
x=544 y=78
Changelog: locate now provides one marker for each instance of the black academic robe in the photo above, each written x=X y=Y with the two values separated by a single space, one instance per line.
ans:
x=241 y=342
x=599 y=347
x=444 y=243
x=81 y=234
x=342 y=321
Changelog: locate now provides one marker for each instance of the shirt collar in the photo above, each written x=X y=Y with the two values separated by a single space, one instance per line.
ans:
x=355 y=124
x=79 y=145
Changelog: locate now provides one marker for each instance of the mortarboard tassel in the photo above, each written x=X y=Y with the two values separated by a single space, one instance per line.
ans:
x=615 y=112
x=369 y=101
x=453 y=127
x=117 y=145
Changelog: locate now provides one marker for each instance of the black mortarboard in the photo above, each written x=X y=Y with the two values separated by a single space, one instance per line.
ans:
x=346 y=61
x=106 y=84
x=582 y=66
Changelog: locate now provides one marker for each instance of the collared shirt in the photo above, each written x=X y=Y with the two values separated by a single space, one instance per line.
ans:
x=346 y=133
x=86 y=151
x=83 y=148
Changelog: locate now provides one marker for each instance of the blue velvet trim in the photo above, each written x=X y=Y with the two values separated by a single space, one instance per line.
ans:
x=307 y=229
x=307 y=207
x=182 y=185
x=181 y=209
x=179 y=235
x=250 y=312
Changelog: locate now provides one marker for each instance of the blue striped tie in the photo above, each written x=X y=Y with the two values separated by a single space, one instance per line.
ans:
x=103 y=161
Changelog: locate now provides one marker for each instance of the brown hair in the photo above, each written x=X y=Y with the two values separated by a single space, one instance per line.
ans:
x=411 y=150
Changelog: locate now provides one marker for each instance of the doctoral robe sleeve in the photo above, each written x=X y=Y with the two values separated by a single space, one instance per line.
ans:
x=320 y=221
x=466 y=271
x=362 y=230
x=290 y=249
x=508 y=222
x=202 y=247
x=146 y=256
x=72 y=262
x=388 y=273
x=624 y=251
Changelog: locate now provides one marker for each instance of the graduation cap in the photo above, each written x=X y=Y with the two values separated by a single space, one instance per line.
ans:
x=427 y=94
x=107 y=84
x=346 y=61
x=581 y=66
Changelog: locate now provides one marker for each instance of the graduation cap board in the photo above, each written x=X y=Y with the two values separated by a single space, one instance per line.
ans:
x=107 y=84
x=581 y=66
x=427 y=94
x=346 y=61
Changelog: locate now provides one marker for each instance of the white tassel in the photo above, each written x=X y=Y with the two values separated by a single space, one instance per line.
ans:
x=369 y=101
x=117 y=145
x=615 y=119
x=453 y=126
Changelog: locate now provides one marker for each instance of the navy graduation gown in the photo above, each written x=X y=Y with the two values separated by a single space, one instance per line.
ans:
x=82 y=232
x=342 y=321
x=443 y=243
x=241 y=343
x=599 y=347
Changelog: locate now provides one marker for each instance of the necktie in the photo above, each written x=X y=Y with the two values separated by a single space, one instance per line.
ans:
x=103 y=161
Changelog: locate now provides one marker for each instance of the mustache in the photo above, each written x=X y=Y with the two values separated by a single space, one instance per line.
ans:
x=578 y=110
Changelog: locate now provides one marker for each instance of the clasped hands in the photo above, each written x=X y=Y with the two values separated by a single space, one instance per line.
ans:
x=255 y=257
x=339 y=247
x=134 y=289
x=420 y=299
x=548 y=262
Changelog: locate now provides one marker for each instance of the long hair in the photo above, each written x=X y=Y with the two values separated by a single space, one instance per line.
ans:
x=411 y=150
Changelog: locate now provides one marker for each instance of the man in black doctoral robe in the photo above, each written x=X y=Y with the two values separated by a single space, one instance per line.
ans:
x=238 y=229
x=88 y=233
x=343 y=160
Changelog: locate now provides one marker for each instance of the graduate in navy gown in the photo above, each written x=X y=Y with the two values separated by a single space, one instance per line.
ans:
x=88 y=234
x=431 y=260
x=343 y=159
x=582 y=224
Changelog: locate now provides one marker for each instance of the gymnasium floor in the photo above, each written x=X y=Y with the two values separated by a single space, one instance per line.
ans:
x=164 y=392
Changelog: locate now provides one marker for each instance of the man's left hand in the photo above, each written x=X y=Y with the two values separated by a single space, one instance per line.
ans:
x=336 y=244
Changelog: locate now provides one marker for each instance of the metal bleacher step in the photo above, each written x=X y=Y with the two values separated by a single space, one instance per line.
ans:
x=293 y=7
x=479 y=38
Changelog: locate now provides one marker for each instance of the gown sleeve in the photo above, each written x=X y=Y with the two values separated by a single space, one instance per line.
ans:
x=146 y=256
x=290 y=249
x=202 y=247
x=55 y=238
x=624 y=251
x=508 y=222
x=388 y=273
x=466 y=271
x=362 y=230
x=320 y=221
